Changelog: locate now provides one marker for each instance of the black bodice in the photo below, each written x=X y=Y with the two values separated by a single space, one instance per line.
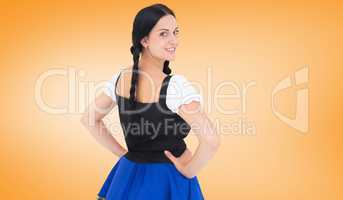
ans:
x=151 y=128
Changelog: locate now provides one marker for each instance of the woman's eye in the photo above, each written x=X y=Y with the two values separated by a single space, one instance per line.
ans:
x=164 y=34
x=176 y=32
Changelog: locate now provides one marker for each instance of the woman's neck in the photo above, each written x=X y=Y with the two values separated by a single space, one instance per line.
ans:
x=150 y=65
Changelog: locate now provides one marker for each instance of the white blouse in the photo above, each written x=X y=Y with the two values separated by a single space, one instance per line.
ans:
x=179 y=91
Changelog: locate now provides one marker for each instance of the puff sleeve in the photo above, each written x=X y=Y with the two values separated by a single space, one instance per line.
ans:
x=109 y=87
x=180 y=91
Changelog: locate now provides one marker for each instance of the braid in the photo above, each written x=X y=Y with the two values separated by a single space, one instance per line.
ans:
x=166 y=68
x=135 y=51
x=135 y=74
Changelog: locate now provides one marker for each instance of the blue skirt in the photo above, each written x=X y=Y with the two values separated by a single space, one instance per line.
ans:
x=131 y=180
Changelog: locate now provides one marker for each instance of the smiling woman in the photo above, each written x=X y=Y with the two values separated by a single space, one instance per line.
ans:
x=157 y=164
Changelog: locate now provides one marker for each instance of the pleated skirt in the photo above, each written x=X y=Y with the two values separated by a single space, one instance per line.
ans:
x=130 y=180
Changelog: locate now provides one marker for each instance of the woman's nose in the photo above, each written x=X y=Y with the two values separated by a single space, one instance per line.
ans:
x=173 y=40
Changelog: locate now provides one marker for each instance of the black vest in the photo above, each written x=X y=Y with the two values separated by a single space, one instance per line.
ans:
x=151 y=128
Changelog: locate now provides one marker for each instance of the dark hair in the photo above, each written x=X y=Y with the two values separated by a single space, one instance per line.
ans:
x=144 y=21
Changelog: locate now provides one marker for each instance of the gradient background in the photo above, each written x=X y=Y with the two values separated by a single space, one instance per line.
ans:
x=50 y=156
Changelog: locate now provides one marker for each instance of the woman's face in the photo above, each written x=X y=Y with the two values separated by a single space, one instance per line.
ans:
x=162 y=39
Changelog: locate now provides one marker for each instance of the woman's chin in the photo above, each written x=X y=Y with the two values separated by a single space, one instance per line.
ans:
x=170 y=58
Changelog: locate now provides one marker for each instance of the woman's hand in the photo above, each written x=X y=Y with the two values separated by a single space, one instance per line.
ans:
x=123 y=152
x=185 y=157
x=181 y=162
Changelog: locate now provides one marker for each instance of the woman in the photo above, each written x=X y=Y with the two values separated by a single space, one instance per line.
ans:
x=157 y=164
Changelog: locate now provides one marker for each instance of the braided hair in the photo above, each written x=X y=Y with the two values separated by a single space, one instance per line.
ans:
x=144 y=21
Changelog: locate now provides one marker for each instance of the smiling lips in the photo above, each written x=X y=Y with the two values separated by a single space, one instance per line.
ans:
x=171 y=50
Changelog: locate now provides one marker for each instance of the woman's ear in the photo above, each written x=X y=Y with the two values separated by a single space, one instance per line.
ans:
x=144 y=42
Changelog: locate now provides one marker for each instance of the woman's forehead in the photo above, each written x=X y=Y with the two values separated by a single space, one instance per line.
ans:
x=166 y=22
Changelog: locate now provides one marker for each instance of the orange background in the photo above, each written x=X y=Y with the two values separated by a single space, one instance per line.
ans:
x=50 y=156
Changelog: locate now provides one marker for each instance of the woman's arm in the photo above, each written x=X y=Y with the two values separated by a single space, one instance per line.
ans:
x=92 y=120
x=209 y=140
